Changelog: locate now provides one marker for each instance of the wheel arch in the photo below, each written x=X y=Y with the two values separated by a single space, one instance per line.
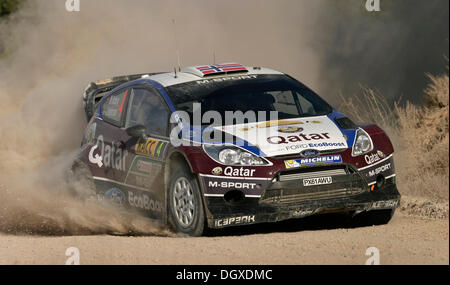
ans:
x=174 y=158
x=177 y=157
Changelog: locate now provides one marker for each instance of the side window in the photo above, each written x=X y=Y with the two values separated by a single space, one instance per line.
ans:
x=147 y=108
x=113 y=107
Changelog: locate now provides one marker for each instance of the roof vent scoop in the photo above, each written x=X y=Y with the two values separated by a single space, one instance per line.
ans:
x=218 y=69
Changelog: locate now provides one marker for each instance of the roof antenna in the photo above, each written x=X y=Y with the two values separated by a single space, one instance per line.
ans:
x=175 y=71
x=176 y=46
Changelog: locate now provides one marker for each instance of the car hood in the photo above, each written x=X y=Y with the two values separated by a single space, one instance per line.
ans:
x=290 y=136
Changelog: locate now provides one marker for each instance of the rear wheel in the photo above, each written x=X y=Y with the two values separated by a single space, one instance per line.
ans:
x=185 y=206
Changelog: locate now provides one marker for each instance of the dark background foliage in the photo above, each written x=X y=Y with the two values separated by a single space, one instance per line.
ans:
x=8 y=6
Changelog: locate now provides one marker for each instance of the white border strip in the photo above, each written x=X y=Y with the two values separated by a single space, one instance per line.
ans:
x=221 y=195
x=120 y=183
x=390 y=176
x=232 y=177
x=368 y=166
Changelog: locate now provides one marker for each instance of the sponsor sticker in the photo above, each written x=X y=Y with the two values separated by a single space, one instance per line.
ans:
x=110 y=156
x=274 y=123
x=309 y=153
x=234 y=172
x=313 y=160
x=315 y=145
x=151 y=147
x=302 y=213
x=374 y=157
x=388 y=204
x=144 y=202
x=214 y=80
x=217 y=170
x=297 y=138
x=232 y=184
x=380 y=169
x=95 y=159
x=290 y=129
x=317 y=181
x=115 y=196
x=240 y=172
x=144 y=166
x=234 y=221
x=381 y=154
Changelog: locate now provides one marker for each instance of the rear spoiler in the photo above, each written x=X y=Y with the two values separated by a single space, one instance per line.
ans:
x=97 y=89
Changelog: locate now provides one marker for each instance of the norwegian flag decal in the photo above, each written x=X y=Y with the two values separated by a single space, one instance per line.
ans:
x=221 y=68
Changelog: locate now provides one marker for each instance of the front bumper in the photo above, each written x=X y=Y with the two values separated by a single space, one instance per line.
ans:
x=282 y=200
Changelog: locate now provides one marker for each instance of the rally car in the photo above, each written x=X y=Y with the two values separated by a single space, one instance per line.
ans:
x=151 y=147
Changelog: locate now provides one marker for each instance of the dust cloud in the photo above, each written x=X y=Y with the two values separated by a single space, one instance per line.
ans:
x=51 y=55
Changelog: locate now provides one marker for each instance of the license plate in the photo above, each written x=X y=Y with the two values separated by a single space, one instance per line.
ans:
x=317 y=181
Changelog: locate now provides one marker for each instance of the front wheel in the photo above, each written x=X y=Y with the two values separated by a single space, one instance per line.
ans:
x=186 y=213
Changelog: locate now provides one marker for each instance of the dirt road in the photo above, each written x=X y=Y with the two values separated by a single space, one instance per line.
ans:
x=405 y=240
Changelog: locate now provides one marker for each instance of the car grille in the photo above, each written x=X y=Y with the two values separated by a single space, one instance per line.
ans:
x=323 y=173
x=288 y=185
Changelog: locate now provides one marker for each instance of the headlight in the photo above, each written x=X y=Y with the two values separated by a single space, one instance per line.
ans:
x=231 y=155
x=363 y=143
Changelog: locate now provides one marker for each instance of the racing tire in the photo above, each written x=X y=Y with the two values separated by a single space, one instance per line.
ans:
x=185 y=206
x=375 y=217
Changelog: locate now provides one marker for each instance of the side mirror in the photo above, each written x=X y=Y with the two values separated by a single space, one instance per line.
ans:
x=138 y=131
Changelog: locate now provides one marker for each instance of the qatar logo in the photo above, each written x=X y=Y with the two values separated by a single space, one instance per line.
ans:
x=309 y=153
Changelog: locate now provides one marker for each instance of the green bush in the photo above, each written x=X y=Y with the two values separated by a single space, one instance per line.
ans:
x=8 y=6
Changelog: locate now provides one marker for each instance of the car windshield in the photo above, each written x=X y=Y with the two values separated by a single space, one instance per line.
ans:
x=257 y=93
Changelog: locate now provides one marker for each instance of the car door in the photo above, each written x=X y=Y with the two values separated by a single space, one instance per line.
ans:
x=108 y=129
x=106 y=155
x=145 y=174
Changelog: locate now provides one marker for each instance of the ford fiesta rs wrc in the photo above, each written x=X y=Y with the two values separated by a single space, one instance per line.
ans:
x=163 y=145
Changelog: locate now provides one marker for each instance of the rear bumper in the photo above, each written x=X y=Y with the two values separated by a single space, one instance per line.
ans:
x=274 y=206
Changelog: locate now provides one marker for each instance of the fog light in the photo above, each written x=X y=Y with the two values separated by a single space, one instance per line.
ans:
x=234 y=197
x=380 y=181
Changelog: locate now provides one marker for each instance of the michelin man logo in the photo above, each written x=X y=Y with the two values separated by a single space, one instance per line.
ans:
x=97 y=159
